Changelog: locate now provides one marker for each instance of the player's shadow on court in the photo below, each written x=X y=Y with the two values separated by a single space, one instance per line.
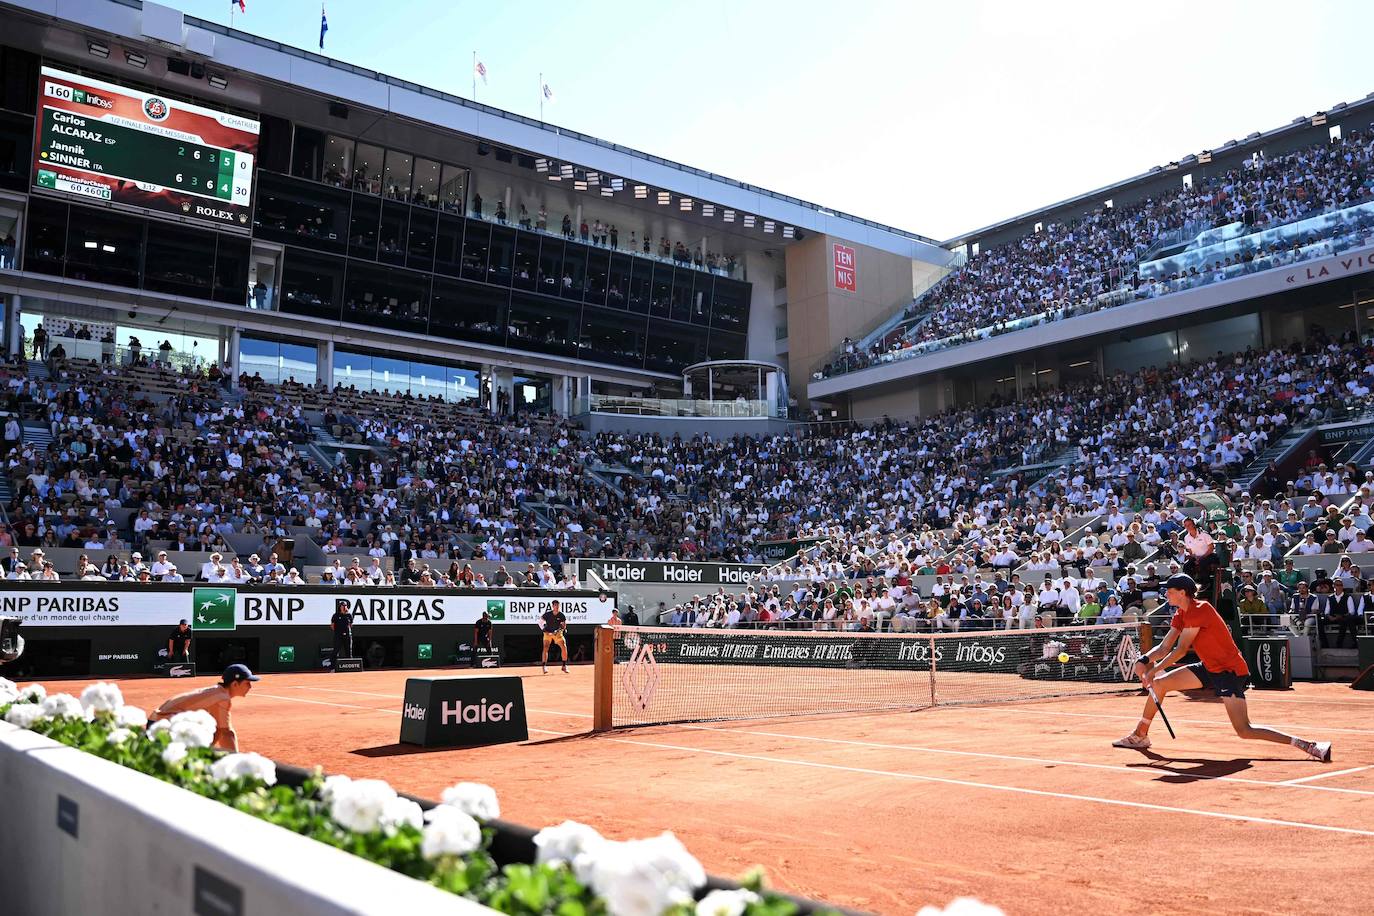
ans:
x=1194 y=769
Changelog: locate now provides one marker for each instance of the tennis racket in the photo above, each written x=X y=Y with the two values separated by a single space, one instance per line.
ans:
x=1159 y=708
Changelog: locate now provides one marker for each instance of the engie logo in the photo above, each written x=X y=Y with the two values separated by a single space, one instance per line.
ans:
x=156 y=109
x=1266 y=663
x=414 y=711
x=496 y=608
x=213 y=609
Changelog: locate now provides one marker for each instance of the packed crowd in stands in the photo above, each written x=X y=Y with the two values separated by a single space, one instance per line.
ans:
x=1093 y=261
x=925 y=524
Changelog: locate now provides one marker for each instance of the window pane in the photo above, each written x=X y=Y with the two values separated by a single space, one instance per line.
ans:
x=396 y=181
x=725 y=346
x=427 y=380
x=466 y=311
x=16 y=145
x=353 y=369
x=104 y=247
x=426 y=191
x=461 y=385
x=448 y=245
x=395 y=220
x=367 y=168
x=338 y=160
x=502 y=252
x=598 y=262
x=543 y=326
x=390 y=375
x=550 y=266
x=45 y=248
x=730 y=305
x=453 y=189
x=641 y=285
x=574 y=281
x=612 y=337
x=298 y=362
x=231 y=270
x=661 y=303
x=180 y=261
x=312 y=284
x=296 y=213
x=307 y=153
x=526 y=270
x=420 y=250
x=673 y=349
x=476 y=250
x=387 y=298
x=363 y=227
x=618 y=282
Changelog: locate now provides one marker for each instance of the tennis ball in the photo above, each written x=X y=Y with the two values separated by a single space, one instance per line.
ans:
x=1063 y=658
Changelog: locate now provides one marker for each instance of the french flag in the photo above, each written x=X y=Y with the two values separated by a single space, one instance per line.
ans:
x=243 y=7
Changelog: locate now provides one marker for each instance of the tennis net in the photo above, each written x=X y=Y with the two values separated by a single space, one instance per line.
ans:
x=656 y=675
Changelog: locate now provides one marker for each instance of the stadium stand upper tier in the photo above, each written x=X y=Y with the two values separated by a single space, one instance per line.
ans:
x=1116 y=254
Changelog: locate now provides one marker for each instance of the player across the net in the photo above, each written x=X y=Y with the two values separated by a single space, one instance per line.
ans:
x=654 y=675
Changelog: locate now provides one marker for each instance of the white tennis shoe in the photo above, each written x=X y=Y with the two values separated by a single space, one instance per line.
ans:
x=1319 y=750
x=1133 y=741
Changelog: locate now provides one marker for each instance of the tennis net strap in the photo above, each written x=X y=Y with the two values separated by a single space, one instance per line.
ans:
x=655 y=675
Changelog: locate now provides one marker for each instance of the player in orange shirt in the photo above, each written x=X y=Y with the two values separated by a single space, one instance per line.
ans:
x=1198 y=626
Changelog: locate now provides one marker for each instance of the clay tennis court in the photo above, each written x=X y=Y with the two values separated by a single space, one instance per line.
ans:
x=1024 y=805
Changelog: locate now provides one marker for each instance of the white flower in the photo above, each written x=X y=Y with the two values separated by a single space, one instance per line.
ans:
x=400 y=812
x=450 y=832
x=119 y=736
x=244 y=766
x=25 y=714
x=131 y=716
x=726 y=903
x=63 y=706
x=34 y=693
x=101 y=697
x=564 y=843
x=194 y=729
x=640 y=877
x=358 y=806
x=174 y=753
x=962 y=906
x=158 y=727
x=8 y=690
x=332 y=785
x=473 y=798
x=631 y=886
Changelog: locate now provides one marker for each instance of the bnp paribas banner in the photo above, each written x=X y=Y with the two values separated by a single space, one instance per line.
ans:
x=211 y=607
x=668 y=572
x=382 y=608
x=43 y=606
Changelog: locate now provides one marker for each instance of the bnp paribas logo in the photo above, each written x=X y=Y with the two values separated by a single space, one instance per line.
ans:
x=496 y=608
x=213 y=609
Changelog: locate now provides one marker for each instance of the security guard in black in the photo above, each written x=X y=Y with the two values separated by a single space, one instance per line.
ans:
x=482 y=632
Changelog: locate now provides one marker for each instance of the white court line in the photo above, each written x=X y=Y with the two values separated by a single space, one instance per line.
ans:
x=1118 y=768
x=1115 y=802
x=1308 y=779
x=275 y=696
x=918 y=777
x=1220 y=722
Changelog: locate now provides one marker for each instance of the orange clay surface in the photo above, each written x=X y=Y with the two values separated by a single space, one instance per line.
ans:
x=1026 y=806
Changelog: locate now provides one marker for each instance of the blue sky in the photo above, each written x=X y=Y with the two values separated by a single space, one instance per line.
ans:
x=937 y=118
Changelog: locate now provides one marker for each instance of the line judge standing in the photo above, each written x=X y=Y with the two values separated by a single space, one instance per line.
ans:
x=342 y=625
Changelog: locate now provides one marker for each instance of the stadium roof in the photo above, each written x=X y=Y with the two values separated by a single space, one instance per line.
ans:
x=255 y=56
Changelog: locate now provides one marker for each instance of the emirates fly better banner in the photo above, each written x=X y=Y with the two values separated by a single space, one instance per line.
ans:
x=220 y=608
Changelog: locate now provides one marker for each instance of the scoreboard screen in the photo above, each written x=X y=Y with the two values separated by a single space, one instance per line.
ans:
x=106 y=142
